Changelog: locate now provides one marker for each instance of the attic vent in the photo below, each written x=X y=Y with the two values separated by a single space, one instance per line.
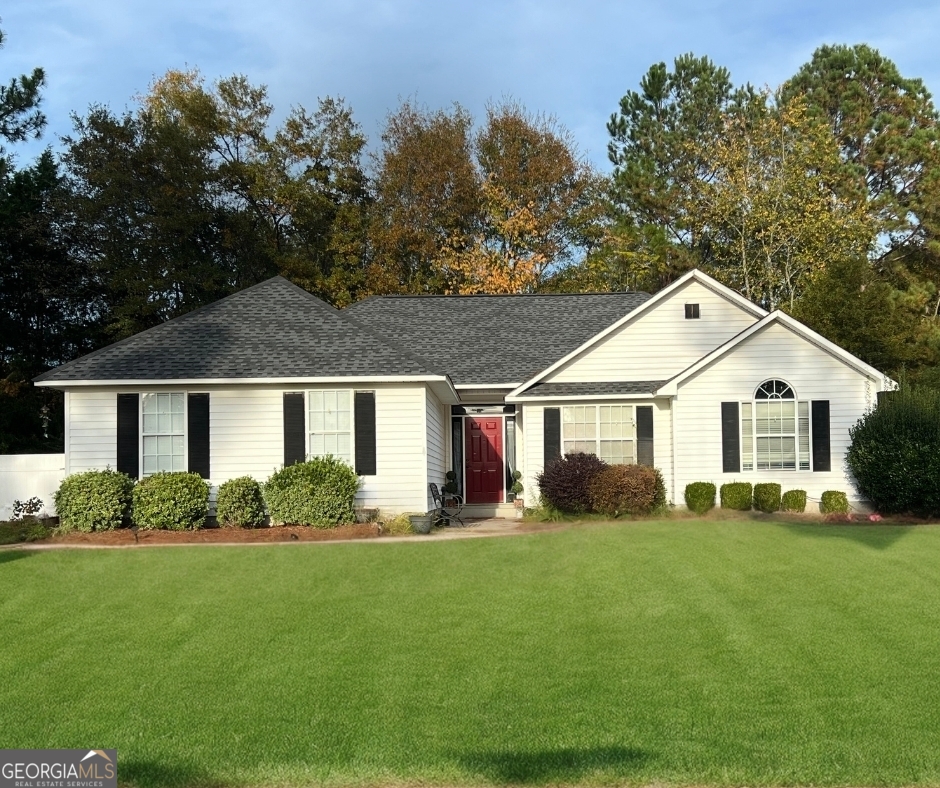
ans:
x=691 y=312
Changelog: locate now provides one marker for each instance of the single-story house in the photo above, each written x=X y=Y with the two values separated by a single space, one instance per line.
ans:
x=696 y=380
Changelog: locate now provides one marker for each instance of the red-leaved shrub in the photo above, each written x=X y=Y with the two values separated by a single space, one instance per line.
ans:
x=565 y=483
x=625 y=489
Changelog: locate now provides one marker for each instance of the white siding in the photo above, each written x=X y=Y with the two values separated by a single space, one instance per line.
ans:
x=660 y=343
x=92 y=430
x=24 y=476
x=246 y=433
x=775 y=352
x=401 y=456
x=534 y=443
x=435 y=442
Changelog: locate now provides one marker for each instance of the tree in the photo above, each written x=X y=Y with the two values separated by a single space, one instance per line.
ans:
x=770 y=203
x=20 y=116
x=427 y=199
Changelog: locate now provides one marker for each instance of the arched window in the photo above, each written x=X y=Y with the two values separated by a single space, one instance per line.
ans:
x=775 y=430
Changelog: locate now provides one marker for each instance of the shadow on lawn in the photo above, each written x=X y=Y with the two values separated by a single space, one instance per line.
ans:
x=154 y=774
x=877 y=536
x=566 y=765
x=11 y=554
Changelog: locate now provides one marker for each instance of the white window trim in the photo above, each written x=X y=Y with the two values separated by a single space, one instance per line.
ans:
x=597 y=424
x=352 y=421
x=754 y=436
x=140 y=429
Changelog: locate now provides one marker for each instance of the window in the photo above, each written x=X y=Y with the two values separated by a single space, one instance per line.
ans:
x=162 y=430
x=329 y=423
x=774 y=430
x=691 y=312
x=604 y=430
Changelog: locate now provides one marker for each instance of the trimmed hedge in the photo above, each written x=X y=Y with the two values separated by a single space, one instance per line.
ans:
x=767 y=497
x=700 y=496
x=624 y=489
x=894 y=457
x=318 y=492
x=240 y=503
x=93 y=501
x=178 y=501
x=834 y=502
x=565 y=483
x=737 y=495
x=793 y=501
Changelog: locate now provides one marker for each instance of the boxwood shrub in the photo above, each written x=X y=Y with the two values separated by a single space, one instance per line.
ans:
x=737 y=495
x=93 y=500
x=626 y=489
x=318 y=492
x=893 y=456
x=767 y=497
x=178 y=501
x=834 y=502
x=565 y=484
x=793 y=501
x=240 y=503
x=700 y=496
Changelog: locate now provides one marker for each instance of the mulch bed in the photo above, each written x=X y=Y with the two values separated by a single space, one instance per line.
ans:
x=279 y=533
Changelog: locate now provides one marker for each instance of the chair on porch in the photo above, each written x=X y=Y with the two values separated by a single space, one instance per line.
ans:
x=446 y=509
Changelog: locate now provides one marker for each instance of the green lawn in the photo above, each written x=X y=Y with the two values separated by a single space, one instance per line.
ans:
x=678 y=652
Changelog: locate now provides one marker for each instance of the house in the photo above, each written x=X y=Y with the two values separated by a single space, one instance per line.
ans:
x=695 y=380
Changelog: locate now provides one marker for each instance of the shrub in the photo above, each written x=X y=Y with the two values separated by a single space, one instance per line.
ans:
x=397 y=526
x=659 y=491
x=240 y=503
x=793 y=501
x=93 y=501
x=834 y=502
x=893 y=455
x=623 y=489
x=318 y=492
x=450 y=486
x=516 y=483
x=700 y=496
x=565 y=483
x=737 y=495
x=174 y=500
x=767 y=497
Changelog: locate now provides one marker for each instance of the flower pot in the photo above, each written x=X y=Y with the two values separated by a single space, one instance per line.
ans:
x=420 y=523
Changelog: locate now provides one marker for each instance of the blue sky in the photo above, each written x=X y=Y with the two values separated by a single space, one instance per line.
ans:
x=574 y=60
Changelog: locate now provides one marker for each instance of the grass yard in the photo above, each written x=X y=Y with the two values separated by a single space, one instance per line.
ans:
x=682 y=652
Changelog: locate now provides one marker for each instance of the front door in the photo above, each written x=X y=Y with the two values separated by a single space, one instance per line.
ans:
x=484 y=459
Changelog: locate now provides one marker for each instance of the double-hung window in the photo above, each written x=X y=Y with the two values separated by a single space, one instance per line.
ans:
x=604 y=430
x=775 y=430
x=329 y=424
x=163 y=433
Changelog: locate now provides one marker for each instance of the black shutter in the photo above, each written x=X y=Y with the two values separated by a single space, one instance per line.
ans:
x=128 y=434
x=365 y=433
x=644 y=435
x=295 y=443
x=821 y=458
x=552 y=429
x=730 y=438
x=198 y=434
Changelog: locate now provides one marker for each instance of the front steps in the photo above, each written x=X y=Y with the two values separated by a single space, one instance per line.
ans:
x=488 y=511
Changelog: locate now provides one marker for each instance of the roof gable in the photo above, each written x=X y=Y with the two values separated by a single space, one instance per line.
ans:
x=271 y=330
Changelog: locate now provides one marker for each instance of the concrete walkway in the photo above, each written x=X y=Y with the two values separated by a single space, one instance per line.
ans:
x=475 y=529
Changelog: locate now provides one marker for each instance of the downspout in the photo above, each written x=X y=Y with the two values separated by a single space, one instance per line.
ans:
x=675 y=455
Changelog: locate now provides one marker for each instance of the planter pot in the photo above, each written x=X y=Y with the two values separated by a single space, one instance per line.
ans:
x=420 y=523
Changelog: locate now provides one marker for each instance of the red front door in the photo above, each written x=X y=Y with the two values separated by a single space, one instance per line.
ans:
x=484 y=459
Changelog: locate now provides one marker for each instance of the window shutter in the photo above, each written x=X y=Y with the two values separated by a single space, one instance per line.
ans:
x=198 y=434
x=128 y=434
x=730 y=438
x=365 y=433
x=551 y=421
x=295 y=442
x=644 y=435
x=820 y=417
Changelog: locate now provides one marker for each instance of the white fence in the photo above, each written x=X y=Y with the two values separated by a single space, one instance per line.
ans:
x=24 y=476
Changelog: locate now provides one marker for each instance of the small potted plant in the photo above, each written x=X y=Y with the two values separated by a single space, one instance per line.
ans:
x=420 y=523
x=516 y=489
x=450 y=487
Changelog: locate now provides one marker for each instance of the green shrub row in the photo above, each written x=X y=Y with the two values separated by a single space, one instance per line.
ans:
x=319 y=492
x=765 y=497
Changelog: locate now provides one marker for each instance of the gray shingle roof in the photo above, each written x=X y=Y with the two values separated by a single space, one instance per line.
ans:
x=272 y=330
x=589 y=389
x=493 y=338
